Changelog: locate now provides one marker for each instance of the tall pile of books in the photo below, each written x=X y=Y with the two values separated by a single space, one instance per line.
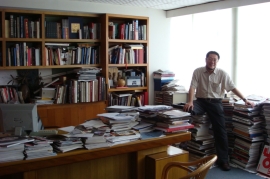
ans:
x=248 y=131
x=265 y=112
x=228 y=106
x=201 y=143
x=161 y=78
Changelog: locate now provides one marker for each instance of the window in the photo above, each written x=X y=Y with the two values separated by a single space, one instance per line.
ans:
x=253 y=54
x=192 y=36
x=244 y=47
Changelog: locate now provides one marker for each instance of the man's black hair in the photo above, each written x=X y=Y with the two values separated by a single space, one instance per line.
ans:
x=212 y=52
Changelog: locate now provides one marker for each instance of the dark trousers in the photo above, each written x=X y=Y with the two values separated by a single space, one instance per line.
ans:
x=215 y=112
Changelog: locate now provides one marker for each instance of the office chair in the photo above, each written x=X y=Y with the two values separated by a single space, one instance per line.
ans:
x=199 y=172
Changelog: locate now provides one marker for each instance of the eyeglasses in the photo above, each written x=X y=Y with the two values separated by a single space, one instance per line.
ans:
x=212 y=59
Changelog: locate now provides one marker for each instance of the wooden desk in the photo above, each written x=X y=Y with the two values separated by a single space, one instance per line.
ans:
x=125 y=161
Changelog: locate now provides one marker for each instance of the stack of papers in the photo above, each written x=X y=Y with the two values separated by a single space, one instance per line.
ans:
x=13 y=153
x=38 y=150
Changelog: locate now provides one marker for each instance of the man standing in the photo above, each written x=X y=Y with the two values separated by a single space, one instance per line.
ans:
x=210 y=84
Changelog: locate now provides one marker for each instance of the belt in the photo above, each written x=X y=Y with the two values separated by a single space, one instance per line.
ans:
x=210 y=99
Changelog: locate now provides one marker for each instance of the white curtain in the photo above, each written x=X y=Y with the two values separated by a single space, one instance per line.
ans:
x=253 y=49
x=192 y=36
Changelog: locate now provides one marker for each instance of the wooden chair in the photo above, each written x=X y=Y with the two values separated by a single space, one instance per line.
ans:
x=199 y=172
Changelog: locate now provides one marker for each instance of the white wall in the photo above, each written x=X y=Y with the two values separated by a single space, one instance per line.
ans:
x=159 y=25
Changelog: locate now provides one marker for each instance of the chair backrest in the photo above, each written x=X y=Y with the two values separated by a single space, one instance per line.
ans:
x=201 y=167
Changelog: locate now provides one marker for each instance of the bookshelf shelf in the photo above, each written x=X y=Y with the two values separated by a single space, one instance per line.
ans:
x=128 y=89
x=127 y=65
x=127 y=41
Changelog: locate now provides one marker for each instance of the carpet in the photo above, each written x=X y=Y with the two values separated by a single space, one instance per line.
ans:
x=234 y=173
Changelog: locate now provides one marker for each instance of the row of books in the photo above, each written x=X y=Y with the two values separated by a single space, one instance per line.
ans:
x=129 y=54
x=76 y=91
x=128 y=31
x=71 y=55
x=22 y=27
x=66 y=29
x=128 y=99
x=10 y=93
x=22 y=55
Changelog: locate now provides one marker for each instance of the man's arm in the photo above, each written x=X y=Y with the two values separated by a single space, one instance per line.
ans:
x=189 y=105
x=239 y=94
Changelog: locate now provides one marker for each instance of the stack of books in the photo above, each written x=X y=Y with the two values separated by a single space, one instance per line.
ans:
x=248 y=131
x=265 y=112
x=120 y=121
x=67 y=144
x=173 y=121
x=39 y=148
x=149 y=113
x=228 y=106
x=161 y=78
x=122 y=136
x=202 y=142
x=87 y=74
x=13 y=153
x=96 y=142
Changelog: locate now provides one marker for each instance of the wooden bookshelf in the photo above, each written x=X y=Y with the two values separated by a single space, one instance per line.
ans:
x=42 y=29
x=122 y=39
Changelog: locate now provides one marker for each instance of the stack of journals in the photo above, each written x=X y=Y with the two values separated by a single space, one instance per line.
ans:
x=38 y=149
x=87 y=74
x=202 y=142
x=249 y=135
x=173 y=121
x=265 y=112
x=246 y=154
x=148 y=113
x=161 y=78
x=67 y=144
x=228 y=107
x=13 y=153
x=120 y=121
x=123 y=136
x=96 y=142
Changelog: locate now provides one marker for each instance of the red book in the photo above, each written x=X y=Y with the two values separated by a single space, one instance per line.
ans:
x=145 y=95
x=91 y=27
x=177 y=128
x=29 y=56
x=26 y=32
x=122 y=31
x=141 y=56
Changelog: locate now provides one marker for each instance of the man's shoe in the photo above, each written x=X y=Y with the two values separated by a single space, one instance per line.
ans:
x=225 y=166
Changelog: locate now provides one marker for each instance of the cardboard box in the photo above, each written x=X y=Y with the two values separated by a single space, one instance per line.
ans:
x=264 y=163
x=47 y=93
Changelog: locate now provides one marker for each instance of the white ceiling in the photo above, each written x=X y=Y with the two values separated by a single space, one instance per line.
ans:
x=154 y=4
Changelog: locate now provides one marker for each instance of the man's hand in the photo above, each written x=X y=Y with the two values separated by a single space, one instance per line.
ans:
x=188 y=106
x=247 y=102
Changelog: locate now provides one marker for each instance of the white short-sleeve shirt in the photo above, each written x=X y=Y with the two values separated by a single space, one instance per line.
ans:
x=211 y=85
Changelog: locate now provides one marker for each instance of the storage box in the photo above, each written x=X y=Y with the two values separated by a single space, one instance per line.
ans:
x=155 y=163
x=133 y=81
x=47 y=93
x=264 y=163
